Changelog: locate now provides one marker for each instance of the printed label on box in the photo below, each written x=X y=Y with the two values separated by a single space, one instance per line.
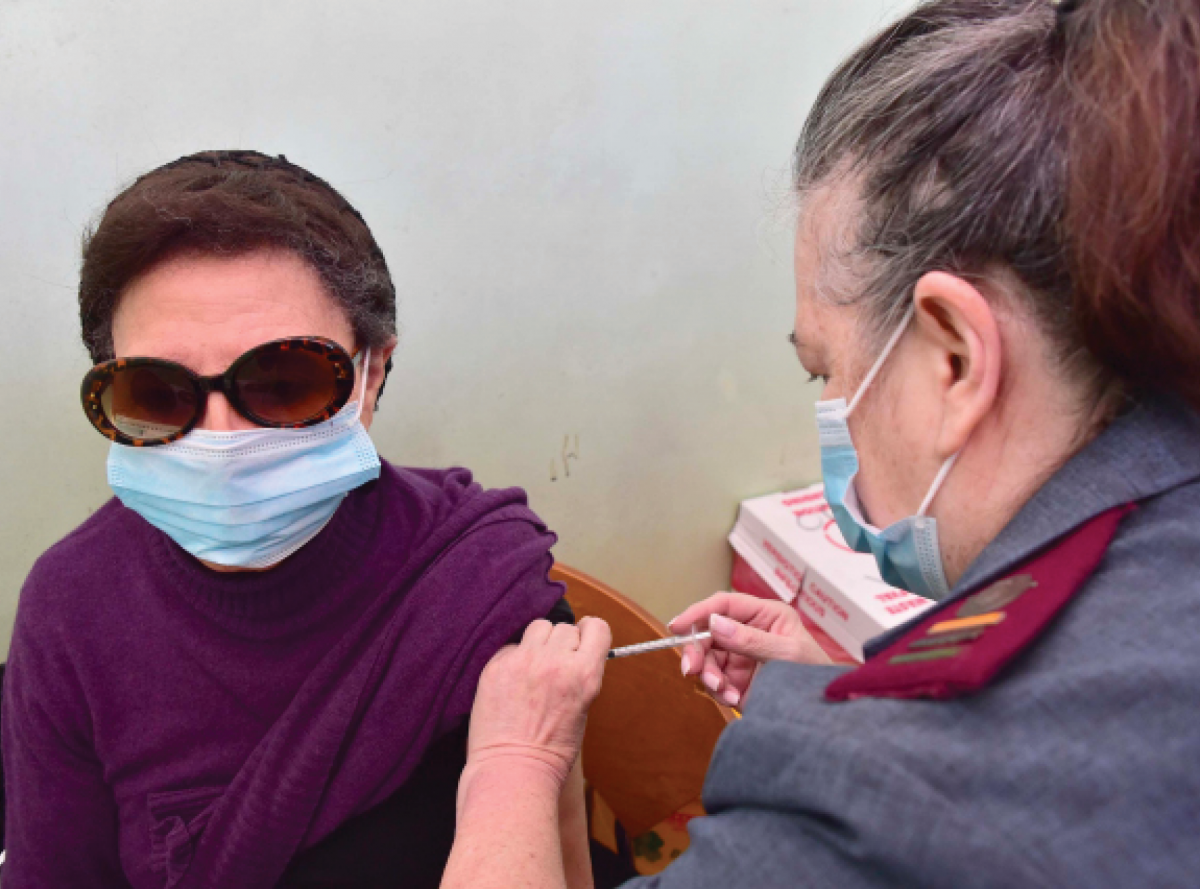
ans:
x=792 y=541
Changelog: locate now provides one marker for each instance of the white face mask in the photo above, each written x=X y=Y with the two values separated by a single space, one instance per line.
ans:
x=248 y=498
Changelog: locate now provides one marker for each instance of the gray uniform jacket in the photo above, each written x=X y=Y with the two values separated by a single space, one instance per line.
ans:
x=1078 y=766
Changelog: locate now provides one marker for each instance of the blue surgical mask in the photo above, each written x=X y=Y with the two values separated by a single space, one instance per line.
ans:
x=248 y=498
x=906 y=551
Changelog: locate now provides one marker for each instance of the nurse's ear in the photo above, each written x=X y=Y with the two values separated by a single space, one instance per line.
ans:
x=962 y=338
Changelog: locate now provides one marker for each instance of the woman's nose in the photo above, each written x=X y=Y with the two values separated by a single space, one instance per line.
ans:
x=219 y=415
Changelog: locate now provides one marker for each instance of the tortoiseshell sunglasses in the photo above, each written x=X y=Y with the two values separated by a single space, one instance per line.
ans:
x=284 y=384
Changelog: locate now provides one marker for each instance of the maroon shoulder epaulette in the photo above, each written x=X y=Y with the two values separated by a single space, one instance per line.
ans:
x=959 y=650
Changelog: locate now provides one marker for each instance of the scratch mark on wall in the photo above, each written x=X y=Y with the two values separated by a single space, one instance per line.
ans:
x=569 y=454
x=570 y=451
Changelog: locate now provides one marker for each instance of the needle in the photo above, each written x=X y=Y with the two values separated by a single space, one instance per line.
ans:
x=658 y=644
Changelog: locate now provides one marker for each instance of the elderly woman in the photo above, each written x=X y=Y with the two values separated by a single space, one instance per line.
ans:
x=998 y=281
x=254 y=666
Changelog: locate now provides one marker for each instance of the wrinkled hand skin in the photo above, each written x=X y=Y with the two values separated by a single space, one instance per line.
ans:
x=533 y=698
x=746 y=631
x=526 y=730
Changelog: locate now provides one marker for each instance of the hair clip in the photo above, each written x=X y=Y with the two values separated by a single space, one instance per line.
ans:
x=1062 y=7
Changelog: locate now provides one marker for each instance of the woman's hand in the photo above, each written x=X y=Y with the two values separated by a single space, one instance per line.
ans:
x=532 y=702
x=526 y=730
x=746 y=631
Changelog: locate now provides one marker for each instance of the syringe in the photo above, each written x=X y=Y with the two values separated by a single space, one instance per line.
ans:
x=658 y=644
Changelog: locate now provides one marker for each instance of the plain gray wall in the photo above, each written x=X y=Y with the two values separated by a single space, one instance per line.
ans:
x=578 y=201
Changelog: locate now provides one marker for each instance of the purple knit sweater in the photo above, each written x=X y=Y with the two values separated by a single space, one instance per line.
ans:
x=168 y=726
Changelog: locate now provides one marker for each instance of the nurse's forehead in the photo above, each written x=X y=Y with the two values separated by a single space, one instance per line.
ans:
x=825 y=235
x=811 y=306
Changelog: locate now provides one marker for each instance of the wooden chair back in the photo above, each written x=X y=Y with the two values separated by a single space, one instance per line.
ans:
x=651 y=732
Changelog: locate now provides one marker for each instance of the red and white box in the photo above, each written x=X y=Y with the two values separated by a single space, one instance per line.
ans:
x=788 y=545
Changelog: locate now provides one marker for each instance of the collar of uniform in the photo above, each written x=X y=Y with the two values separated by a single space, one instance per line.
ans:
x=1149 y=450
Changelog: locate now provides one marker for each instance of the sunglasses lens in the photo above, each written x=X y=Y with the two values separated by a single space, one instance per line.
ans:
x=287 y=385
x=149 y=401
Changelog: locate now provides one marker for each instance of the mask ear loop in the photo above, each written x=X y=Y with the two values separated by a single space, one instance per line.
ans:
x=878 y=365
x=937 y=483
x=870 y=378
x=365 y=367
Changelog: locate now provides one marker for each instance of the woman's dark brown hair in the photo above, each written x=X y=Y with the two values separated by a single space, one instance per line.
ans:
x=1056 y=144
x=229 y=203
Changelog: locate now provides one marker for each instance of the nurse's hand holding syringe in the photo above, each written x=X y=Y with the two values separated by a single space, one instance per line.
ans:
x=744 y=631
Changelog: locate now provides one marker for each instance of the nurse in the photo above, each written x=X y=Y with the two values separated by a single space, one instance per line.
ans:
x=998 y=281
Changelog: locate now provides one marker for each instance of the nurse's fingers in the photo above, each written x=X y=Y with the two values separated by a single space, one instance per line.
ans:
x=739 y=671
x=739 y=606
x=754 y=643
x=693 y=655
x=725 y=678
x=712 y=676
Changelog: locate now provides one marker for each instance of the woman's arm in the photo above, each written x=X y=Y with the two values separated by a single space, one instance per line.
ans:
x=525 y=828
x=573 y=828
x=572 y=806
x=61 y=819
x=526 y=729
x=507 y=835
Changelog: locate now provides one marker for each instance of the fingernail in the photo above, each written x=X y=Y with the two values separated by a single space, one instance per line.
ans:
x=713 y=682
x=721 y=626
x=685 y=664
x=731 y=696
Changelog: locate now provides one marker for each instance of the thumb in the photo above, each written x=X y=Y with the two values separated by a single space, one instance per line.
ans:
x=733 y=636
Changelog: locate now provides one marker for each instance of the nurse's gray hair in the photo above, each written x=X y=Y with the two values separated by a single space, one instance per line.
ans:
x=1047 y=151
